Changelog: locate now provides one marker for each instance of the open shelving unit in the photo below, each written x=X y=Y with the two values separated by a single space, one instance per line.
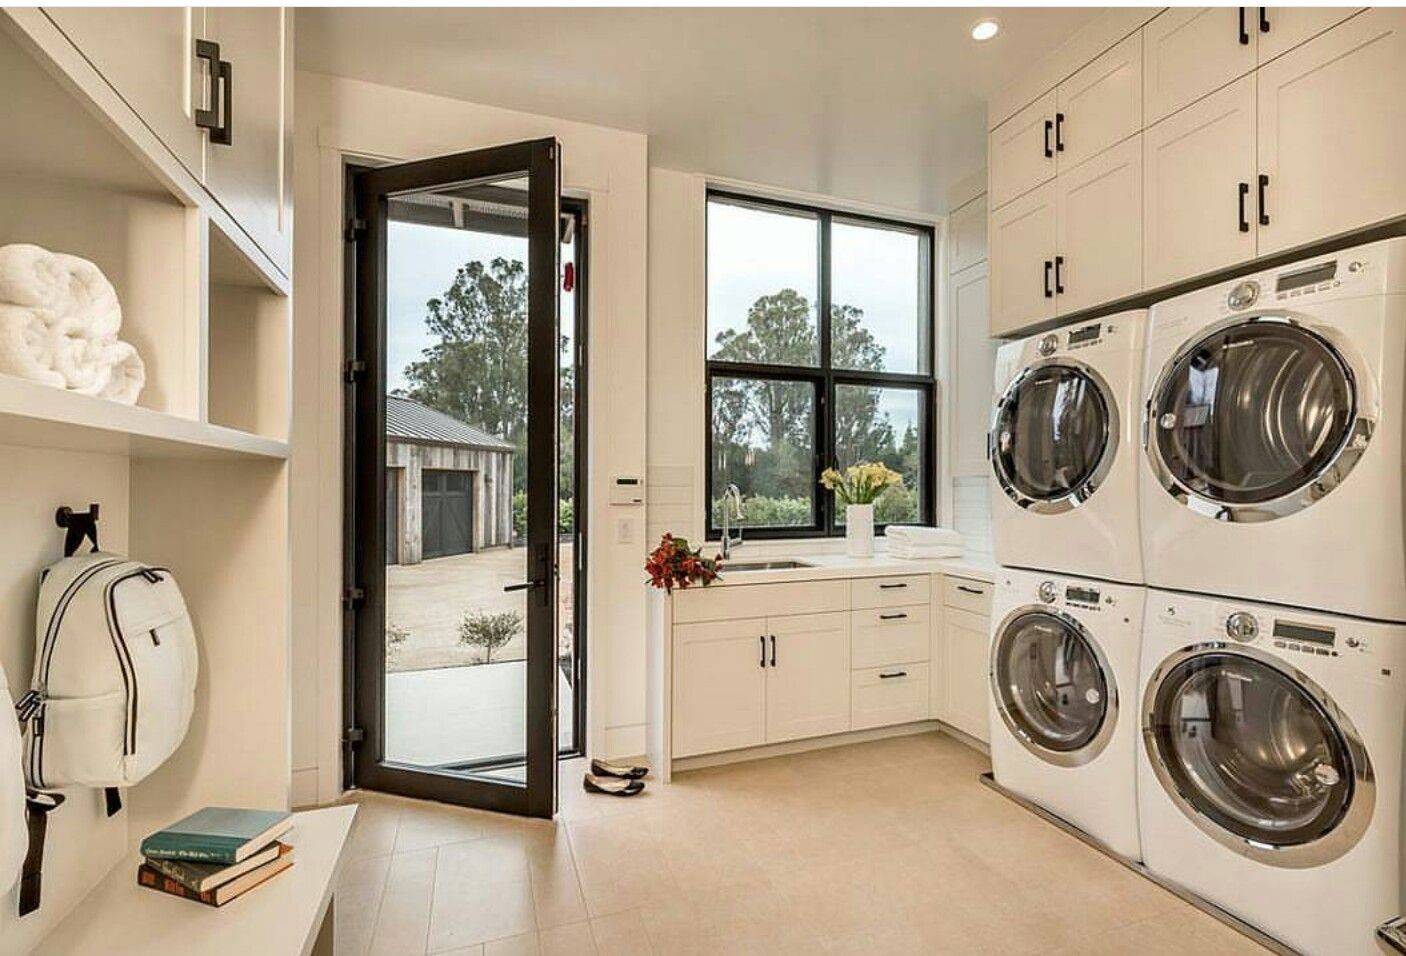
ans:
x=193 y=477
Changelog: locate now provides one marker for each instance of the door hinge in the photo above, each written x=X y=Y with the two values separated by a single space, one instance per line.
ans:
x=354 y=736
x=356 y=228
x=353 y=598
x=353 y=371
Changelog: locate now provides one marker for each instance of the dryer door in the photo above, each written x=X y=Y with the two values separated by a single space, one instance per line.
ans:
x=1257 y=755
x=1052 y=686
x=1054 y=435
x=1257 y=419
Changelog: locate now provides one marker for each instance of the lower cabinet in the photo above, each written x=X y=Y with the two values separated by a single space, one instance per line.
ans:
x=966 y=636
x=884 y=696
x=807 y=676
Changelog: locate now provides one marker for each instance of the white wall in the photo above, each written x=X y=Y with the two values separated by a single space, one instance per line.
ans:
x=340 y=118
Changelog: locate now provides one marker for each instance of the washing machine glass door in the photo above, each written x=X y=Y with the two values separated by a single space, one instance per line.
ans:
x=1256 y=419
x=1054 y=435
x=1257 y=755
x=1052 y=686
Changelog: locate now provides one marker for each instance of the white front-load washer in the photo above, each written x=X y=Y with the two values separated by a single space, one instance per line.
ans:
x=1063 y=450
x=1273 y=436
x=1269 y=766
x=1064 y=658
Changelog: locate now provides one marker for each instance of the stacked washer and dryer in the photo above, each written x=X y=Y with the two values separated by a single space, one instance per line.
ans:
x=1199 y=649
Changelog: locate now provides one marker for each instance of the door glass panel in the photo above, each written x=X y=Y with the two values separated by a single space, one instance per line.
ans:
x=1253 y=412
x=1050 y=681
x=1052 y=432
x=456 y=434
x=1252 y=750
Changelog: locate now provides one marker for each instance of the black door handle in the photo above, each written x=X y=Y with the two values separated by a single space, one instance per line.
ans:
x=1049 y=127
x=1264 y=19
x=1264 y=209
x=1049 y=293
x=1059 y=132
x=219 y=117
x=1244 y=34
x=1244 y=191
x=525 y=585
x=1059 y=280
x=773 y=650
x=893 y=674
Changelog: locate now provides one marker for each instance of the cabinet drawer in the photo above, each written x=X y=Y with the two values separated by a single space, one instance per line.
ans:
x=760 y=600
x=967 y=594
x=889 y=592
x=897 y=635
x=882 y=696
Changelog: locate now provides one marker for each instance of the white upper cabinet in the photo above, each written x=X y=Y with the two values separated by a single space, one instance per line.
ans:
x=1198 y=187
x=247 y=176
x=966 y=235
x=147 y=55
x=1099 y=236
x=808 y=682
x=1332 y=132
x=1280 y=29
x=1100 y=105
x=975 y=363
x=1021 y=152
x=1022 y=261
x=1189 y=52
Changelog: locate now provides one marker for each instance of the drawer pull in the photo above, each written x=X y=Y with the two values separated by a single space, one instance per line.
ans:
x=893 y=674
x=966 y=590
x=892 y=617
x=889 y=587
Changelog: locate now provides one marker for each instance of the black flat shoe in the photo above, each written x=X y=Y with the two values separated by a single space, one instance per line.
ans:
x=612 y=786
x=623 y=771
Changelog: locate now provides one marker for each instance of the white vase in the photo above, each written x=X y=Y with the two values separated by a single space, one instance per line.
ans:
x=859 y=531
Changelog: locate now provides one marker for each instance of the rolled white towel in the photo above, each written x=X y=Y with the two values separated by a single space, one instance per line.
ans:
x=126 y=374
x=91 y=305
x=28 y=347
x=925 y=552
x=34 y=277
x=922 y=535
x=83 y=363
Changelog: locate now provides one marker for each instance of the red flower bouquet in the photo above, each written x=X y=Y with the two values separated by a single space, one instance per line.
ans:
x=674 y=565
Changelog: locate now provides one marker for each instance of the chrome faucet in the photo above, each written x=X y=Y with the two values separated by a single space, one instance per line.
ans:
x=733 y=493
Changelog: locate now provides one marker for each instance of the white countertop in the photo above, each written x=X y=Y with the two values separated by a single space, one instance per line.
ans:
x=827 y=566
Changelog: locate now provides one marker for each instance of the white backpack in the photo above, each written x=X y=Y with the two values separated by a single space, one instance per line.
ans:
x=114 y=674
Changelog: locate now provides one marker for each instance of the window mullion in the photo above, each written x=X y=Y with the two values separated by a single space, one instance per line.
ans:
x=825 y=444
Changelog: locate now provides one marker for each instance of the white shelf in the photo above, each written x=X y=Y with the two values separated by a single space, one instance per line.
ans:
x=40 y=416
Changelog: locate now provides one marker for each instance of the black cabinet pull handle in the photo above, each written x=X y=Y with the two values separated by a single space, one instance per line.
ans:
x=1049 y=293
x=892 y=617
x=1244 y=191
x=1049 y=128
x=1244 y=34
x=888 y=587
x=219 y=118
x=763 y=640
x=1264 y=209
x=893 y=674
x=1059 y=132
x=1264 y=19
x=1059 y=279
x=963 y=588
x=773 y=650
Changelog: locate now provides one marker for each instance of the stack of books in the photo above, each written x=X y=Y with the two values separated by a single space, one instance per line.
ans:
x=216 y=854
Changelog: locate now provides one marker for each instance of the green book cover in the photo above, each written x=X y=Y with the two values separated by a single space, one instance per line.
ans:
x=217 y=835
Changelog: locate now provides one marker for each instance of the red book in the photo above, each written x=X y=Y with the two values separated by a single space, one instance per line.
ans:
x=220 y=895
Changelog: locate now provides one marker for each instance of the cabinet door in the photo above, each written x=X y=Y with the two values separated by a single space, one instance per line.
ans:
x=1283 y=28
x=807 y=690
x=1332 y=131
x=1020 y=152
x=1100 y=105
x=967 y=639
x=1197 y=166
x=247 y=177
x=1099 y=213
x=966 y=235
x=147 y=54
x=719 y=696
x=973 y=366
x=1022 y=238
x=1189 y=51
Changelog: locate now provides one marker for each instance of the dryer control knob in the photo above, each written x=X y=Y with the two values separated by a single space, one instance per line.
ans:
x=1242 y=626
x=1048 y=592
x=1048 y=344
x=1243 y=295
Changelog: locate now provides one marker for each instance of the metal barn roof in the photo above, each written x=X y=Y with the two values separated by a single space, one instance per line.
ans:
x=408 y=420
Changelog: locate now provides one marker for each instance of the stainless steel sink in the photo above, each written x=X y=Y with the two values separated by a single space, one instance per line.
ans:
x=729 y=566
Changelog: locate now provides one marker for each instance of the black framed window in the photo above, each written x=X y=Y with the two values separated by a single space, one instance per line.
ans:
x=819 y=353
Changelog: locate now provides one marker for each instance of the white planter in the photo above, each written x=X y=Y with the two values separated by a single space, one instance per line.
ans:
x=859 y=531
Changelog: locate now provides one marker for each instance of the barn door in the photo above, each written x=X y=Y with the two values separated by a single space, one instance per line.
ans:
x=454 y=571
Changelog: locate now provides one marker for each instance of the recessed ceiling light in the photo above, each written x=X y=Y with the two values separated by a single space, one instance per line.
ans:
x=985 y=30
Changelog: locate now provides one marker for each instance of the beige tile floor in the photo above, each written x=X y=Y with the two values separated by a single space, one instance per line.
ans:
x=884 y=847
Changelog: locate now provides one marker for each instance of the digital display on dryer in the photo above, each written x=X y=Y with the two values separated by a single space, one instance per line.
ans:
x=1088 y=333
x=1310 y=276
x=1081 y=595
x=1304 y=633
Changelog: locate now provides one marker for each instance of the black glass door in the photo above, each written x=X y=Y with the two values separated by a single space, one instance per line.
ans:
x=454 y=526
x=1053 y=437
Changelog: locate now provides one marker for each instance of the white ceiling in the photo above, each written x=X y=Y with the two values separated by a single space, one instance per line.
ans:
x=883 y=106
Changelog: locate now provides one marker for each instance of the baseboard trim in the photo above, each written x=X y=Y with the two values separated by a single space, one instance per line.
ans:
x=684 y=764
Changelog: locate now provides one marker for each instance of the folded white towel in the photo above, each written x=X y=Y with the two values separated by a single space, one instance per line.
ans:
x=925 y=552
x=922 y=535
x=27 y=347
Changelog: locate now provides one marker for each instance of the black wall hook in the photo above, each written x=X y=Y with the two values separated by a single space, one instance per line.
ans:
x=80 y=525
